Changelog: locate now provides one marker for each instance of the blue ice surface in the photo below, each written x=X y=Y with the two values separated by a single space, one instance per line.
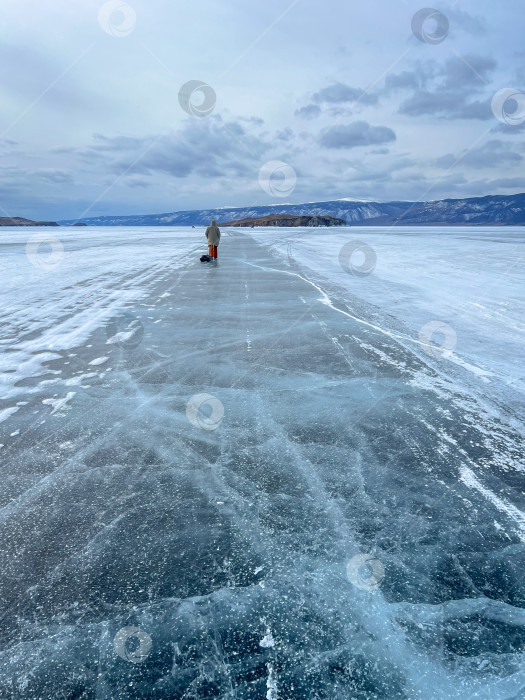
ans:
x=248 y=480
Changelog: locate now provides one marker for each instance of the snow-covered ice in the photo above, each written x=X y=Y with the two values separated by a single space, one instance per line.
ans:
x=158 y=544
x=470 y=278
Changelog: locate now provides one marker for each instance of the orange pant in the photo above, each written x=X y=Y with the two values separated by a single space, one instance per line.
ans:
x=212 y=251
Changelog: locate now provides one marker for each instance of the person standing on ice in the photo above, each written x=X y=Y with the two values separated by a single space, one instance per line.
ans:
x=213 y=234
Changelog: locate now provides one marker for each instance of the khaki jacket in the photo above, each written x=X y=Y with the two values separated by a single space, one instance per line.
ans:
x=213 y=234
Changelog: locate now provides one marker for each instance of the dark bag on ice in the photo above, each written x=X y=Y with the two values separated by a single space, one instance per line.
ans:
x=205 y=258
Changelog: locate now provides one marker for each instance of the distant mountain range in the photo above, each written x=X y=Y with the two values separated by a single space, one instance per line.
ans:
x=500 y=210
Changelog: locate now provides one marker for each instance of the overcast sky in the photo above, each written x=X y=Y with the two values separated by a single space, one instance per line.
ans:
x=342 y=92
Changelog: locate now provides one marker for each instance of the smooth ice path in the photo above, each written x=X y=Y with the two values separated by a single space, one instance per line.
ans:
x=244 y=480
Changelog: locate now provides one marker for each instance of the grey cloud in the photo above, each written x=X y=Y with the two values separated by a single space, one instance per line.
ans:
x=339 y=92
x=64 y=150
x=284 y=134
x=470 y=71
x=449 y=91
x=308 y=112
x=208 y=147
x=90 y=156
x=493 y=154
x=381 y=171
x=446 y=161
x=54 y=175
x=117 y=143
x=336 y=95
x=470 y=24
x=138 y=182
x=404 y=80
x=509 y=128
x=445 y=105
x=384 y=176
x=359 y=133
x=257 y=121
x=513 y=182
x=476 y=110
x=423 y=73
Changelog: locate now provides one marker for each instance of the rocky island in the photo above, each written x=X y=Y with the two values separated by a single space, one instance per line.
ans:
x=20 y=221
x=287 y=220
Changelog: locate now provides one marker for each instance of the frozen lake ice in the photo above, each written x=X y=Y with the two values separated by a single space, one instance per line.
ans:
x=296 y=473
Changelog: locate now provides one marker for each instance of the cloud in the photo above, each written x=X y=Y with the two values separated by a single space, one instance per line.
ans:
x=210 y=148
x=446 y=106
x=400 y=81
x=308 y=112
x=359 y=133
x=117 y=143
x=454 y=90
x=470 y=24
x=509 y=128
x=493 y=154
x=257 y=121
x=53 y=175
x=338 y=93
x=512 y=182
x=64 y=150
x=466 y=72
x=138 y=182
x=284 y=134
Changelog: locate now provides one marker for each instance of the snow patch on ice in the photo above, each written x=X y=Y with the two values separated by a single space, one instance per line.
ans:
x=77 y=381
x=267 y=641
x=6 y=412
x=99 y=361
x=122 y=336
x=59 y=404
x=271 y=684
